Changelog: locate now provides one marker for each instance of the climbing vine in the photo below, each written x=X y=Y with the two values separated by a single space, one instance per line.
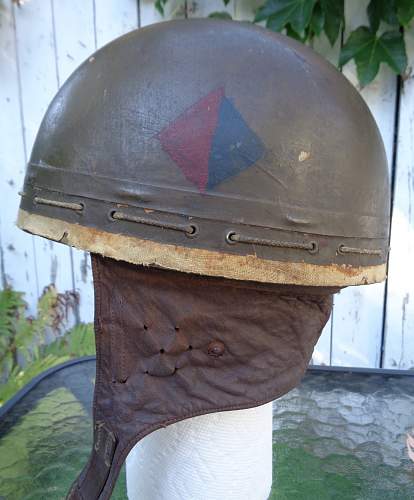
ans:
x=380 y=41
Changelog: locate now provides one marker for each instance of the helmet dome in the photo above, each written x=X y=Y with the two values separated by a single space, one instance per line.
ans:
x=216 y=148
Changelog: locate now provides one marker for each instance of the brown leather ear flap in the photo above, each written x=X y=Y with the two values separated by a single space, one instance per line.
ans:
x=171 y=346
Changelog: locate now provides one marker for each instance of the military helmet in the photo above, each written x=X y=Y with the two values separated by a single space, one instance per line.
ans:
x=216 y=148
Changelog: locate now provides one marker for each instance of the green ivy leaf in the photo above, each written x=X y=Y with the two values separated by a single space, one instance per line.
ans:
x=334 y=17
x=381 y=10
x=279 y=13
x=226 y=2
x=220 y=15
x=295 y=35
x=405 y=11
x=369 y=51
x=317 y=20
x=159 y=5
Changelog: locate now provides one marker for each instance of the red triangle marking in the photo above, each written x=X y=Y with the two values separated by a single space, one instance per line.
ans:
x=187 y=140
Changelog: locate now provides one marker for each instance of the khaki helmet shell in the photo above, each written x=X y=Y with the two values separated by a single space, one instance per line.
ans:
x=216 y=148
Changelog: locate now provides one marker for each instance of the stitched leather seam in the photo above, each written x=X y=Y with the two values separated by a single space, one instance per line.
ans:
x=97 y=276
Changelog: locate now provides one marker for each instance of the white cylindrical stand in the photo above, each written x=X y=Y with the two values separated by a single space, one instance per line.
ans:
x=225 y=455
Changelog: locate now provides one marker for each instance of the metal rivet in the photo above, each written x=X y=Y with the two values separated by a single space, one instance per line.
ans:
x=231 y=237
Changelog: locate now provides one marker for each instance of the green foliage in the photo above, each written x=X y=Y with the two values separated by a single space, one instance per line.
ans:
x=20 y=336
x=382 y=41
x=159 y=5
x=293 y=14
x=405 y=11
x=220 y=15
x=24 y=352
x=381 y=10
x=79 y=341
x=369 y=50
x=305 y=19
x=20 y=377
x=11 y=306
x=333 y=18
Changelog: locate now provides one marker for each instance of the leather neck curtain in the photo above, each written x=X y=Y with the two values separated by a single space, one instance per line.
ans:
x=171 y=346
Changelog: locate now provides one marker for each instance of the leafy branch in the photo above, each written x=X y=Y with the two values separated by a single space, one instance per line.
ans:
x=382 y=41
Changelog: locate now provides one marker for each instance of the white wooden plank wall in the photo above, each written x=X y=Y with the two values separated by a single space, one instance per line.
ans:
x=399 y=313
x=358 y=312
x=18 y=263
x=42 y=42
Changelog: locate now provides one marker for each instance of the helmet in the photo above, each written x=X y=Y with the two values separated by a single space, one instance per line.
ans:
x=267 y=167
x=262 y=168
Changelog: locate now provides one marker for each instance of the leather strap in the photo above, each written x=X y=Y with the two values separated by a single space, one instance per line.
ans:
x=171 y=346
x=95 y=474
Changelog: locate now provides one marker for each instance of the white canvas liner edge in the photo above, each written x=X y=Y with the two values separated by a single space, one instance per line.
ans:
x=197 y=261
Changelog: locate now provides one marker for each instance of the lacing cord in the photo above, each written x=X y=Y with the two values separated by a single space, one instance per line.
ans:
x=192 y=230
x=361 y=251
x=310 y=246
x=188 y=229
x=61 y=204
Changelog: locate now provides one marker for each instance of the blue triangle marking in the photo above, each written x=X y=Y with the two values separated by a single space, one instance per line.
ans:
x=235 y=146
